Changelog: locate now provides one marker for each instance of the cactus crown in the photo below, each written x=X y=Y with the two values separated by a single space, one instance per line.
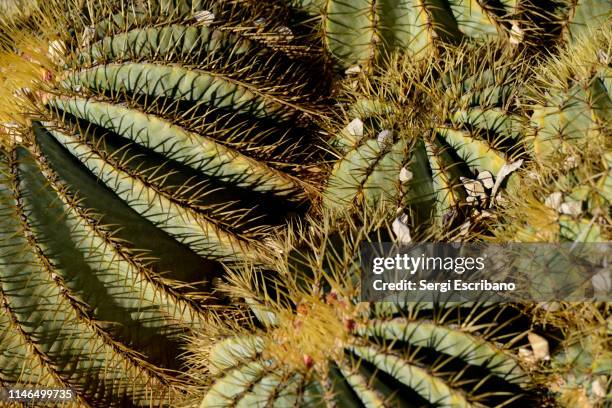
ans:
x=320 y=345
x=437 y=139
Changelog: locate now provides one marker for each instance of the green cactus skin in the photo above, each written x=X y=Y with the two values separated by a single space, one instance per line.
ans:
x=568 y=117
x=467 y=125
x=320 y=346
x=568 y=187
x=164 y=148
x=80 y=304
x=355 y=33
x=364 y=376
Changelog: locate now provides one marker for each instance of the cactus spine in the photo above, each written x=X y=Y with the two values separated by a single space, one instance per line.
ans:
x=159 y=140
x=321 y=346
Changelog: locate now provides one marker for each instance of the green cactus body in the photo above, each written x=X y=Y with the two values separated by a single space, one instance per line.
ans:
x=62 y=286
x=164 y=148
x=572 y=116
x=375 y=355
x=473 y=131
x=566 y=194
x=251 y=19
x=359 y=32
x=584 y=366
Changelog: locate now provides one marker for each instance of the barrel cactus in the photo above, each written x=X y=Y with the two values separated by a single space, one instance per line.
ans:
x=152 y=143
x=436 y=139
x=567 y=191
x=358 y=33
x=316 y=344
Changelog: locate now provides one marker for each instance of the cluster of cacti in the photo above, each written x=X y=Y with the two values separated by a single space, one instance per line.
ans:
x=582 y=369
x=157 y=156
x=358 y=33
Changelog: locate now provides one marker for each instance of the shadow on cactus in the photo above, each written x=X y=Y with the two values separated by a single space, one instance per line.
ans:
x=438 y=139
x=313 y=343
x=143 y=146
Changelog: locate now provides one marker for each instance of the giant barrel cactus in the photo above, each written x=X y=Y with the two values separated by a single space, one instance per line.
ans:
x=163 y=138
x=321 y=346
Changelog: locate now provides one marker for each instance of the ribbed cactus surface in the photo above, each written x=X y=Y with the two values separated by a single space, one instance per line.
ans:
x=158 y=157
x=317 y=343
x=438 y=148
x=578 y=17
x=360 y=32
x=167 y=137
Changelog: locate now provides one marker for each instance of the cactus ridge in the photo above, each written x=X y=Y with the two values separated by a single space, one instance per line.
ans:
x=410 y=145
x=164 y=143
x=170 y=42
x=578 y=18
x=248 y=378
x=320 y=346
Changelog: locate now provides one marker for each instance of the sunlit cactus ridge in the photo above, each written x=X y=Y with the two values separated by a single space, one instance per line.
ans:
x=152 y=142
